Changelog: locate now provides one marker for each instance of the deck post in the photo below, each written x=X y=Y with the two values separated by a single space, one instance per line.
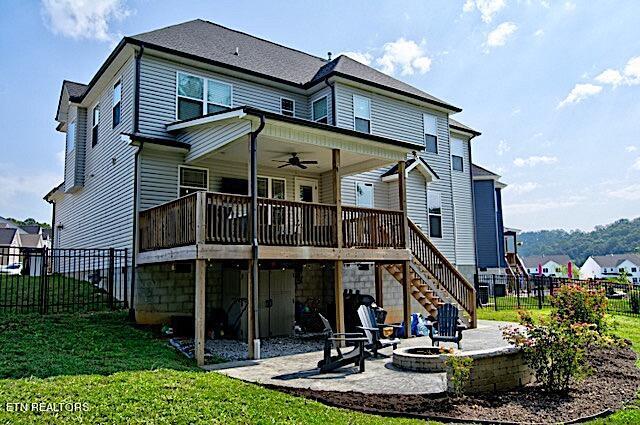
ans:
x=402 y=200
x=337 y=195
x=253 y=330
x=406 y=298
x=199 y=311
x=339 y=297
x=379 y=285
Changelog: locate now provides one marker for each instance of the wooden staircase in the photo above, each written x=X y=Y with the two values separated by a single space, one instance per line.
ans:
x=420 y=290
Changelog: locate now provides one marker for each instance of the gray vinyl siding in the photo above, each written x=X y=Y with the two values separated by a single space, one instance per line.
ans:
x=416 y=198
x=70 y=157
x=205 y=139
x=158 y=177
x=81 y=147
x=158 y=94
x=463 y=205
x=100 y=214
x=380 y=189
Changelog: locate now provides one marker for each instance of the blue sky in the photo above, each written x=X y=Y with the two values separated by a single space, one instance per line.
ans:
x=554 y=86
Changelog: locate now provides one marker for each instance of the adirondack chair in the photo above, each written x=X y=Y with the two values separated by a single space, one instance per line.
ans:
x=373 y=331
x=447 y=327
x=332 y=341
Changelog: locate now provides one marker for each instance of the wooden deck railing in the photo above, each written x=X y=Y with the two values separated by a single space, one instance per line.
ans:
x=227 y=218
x=168 y=225
x=442 y=270
x=372 y=228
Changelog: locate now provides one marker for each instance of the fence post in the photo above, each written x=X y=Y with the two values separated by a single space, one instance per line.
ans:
x=125 y=272
x=540 y=291
x=495 y=298
x=517 y=279
x=111 y=276
x=42 y=307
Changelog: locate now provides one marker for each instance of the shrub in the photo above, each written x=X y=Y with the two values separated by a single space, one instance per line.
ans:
x=458 y=373
x=575 y=304
x=554 y=350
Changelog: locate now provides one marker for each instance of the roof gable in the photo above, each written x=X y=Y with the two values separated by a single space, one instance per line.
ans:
x=533 y=261
x=614 y=260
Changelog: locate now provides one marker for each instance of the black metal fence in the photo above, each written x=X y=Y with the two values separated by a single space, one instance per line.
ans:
x=45 y=280
x=503 y=292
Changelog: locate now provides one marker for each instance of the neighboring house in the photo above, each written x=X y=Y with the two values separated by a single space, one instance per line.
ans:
x=490 y=246
x=552 y=265
x=9 y=245
x=606 y=266
x=181 y=109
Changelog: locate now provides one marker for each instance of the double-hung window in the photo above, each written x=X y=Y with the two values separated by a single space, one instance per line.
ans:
x=287 y=107
x=430 y=124
x=361 y=114
x=457 y=154
x=320 y=110
x=274 y=188
x=364 y=194
x=634 y=269
x=71 y=136
x=117 y=103
x=192 y=179
x=434 y=206
x=545 y=270
x=95 y=121
x=196 y=94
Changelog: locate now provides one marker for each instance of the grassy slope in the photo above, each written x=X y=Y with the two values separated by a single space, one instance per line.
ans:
x=127 y=376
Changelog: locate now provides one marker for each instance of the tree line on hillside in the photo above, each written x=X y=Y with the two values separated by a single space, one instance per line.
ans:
x=28 y=222
x=620 y=237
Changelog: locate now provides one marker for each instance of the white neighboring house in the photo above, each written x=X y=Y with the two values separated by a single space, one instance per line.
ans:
x=604 y=266
x=9 y=244
x=552 y=265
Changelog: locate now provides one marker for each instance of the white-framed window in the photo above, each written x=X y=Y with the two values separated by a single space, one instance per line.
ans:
x=95 y=121
x=192 y=179
x=361 y=114
x=457 y=155
x=430 y=124
x=634 y=269
x=364 y=194
x=434 y=206
x=287 y=107
x=558 y=269
x=194 y=94
x=545 y=270
x=320 y=110
x=272 y=187
x=116 y=110
x=71 y=136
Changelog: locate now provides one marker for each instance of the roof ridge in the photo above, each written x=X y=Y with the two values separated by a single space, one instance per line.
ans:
x=259 y=38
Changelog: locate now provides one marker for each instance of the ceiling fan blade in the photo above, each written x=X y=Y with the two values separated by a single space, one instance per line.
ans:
x=277 y=160
x=304 y=167
x=308 y=162
x=284 y=165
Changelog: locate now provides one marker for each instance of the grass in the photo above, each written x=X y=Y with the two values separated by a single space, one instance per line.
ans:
x=125 y=375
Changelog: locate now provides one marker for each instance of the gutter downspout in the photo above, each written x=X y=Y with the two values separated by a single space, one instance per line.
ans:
x=333 y=101
x=473 y=211
x=136 y=160
x=254 y=346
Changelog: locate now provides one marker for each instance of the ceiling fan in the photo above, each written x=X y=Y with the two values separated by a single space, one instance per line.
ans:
x=295 y=161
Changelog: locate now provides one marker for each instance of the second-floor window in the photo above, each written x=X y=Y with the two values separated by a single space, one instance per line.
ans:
x=364 y=194
x=196 y=94
x=434 y=206
x=430 y=124
x=457 y=155
x=361 y=114
x=287 y=107
x=634 y=269
x=117 y=103
x=95 y=120
x=71 y=136
x=545 y=270
x=320 y=110
x=192 y=179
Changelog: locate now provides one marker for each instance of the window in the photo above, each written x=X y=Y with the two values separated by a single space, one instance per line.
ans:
x=434 y=205
x=430 y=124
x=191 y=100
x=117 y=103
x=364 y=194
x=94 y=125
x=558 y=269
x=361 y=114
x=320 y=111
x=457 y=154
x=635 y=280
x=71 y=136
x=271 y=187
x=621 y=270
x=545 y=270
x=634 y=269
x=287 y=107
x=192 y=180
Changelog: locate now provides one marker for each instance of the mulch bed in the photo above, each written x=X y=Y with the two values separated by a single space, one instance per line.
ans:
x=614 y=381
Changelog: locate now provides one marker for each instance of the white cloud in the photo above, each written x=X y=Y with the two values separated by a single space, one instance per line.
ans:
x=500 y=35
x=503 y=147
x=539 y=33
x=541 y=205
x=364 y=58
x=520 y=188
x=632 y=71
x=631 y=148
x=515 y=112
x=569 y=6
x=487 y=8
x=24 y=189
x=610 y=76
x=83 y=19
x=629 y=193
x=407 y=55
x=636 y=164
x=579 y=93
x=535 y=160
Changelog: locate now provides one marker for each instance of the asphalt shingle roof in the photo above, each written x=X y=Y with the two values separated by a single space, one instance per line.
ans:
x=478 y=171
x=457 y=124
x=7 y=235
x=613 y=260
x=532 y=261
x=76 y=90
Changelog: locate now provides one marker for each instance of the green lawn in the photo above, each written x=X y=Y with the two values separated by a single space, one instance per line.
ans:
x=125 y=375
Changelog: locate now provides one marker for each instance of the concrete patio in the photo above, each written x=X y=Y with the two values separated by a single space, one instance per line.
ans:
x=380 y=377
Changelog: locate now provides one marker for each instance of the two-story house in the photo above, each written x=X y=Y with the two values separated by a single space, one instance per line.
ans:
x=250 y=178
x=613 y=265
x=547 y=265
